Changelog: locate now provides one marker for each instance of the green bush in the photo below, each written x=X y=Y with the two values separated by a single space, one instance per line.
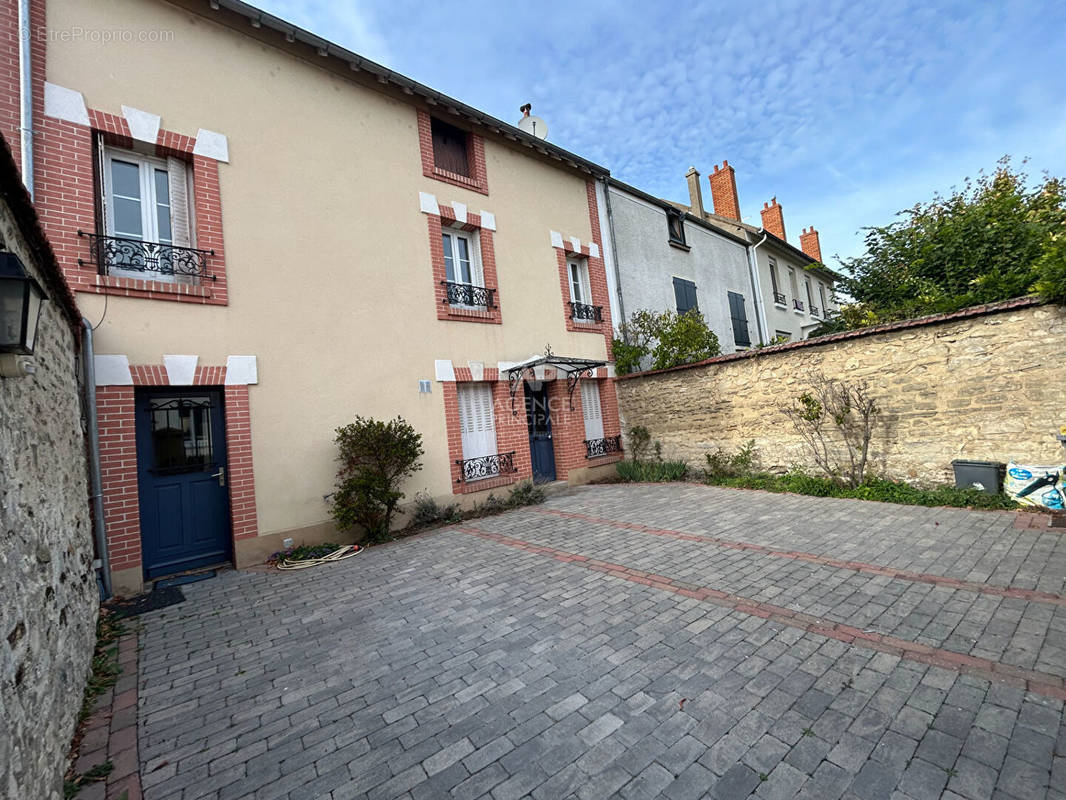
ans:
x=375 y=458
x=721 y=464
x=670 y=339
x=639 y=442
x=525 y=493
x=428 y=511
x=878 y=489
x=652 y=471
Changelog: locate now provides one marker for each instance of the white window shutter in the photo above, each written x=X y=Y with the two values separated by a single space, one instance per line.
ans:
x=177 y=172
x=591 y=410
x=476 y=420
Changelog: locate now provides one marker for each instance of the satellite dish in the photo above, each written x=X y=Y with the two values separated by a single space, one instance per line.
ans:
x=534 y=125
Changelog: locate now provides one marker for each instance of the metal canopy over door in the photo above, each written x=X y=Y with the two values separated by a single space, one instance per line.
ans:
x=538 y=418
x=181 y=460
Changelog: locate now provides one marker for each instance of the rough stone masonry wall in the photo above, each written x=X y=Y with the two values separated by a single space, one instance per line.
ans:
x=986 y=385
x=48 y=594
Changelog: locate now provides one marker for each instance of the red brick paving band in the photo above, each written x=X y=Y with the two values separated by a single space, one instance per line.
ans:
x=111 y=733
x=1038 y=682
x=857 y=566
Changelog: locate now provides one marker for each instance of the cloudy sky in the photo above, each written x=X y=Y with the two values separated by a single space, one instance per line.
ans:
x=847 y=113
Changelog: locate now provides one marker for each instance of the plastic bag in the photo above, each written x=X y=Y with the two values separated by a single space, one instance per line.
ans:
x=1037 y=486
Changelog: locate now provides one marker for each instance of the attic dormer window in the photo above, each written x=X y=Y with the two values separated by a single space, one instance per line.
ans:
x=675 y=227
x=450 y=148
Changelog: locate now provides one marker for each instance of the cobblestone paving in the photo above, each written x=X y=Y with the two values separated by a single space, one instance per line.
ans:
x=501 y=660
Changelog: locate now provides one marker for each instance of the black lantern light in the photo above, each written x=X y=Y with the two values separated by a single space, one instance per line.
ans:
x=21 y=300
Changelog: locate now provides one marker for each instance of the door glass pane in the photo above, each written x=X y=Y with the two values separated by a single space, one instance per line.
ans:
x=463 y=247
x=449 y=261
x=162 y=205
x=181 y=433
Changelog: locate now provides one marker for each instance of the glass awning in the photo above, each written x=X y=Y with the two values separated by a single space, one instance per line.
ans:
x=574 y=369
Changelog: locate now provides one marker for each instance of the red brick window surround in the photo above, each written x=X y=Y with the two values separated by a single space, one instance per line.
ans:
x=482 y=244
x=568 y=248
x=67 y=158
x=512 y=434
x=476 y=180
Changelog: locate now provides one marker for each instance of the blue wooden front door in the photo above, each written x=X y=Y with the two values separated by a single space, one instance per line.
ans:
x=539 y=420
x=181 y=460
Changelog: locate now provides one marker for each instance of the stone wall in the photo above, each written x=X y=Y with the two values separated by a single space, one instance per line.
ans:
x=984 y=384
x=48 y=593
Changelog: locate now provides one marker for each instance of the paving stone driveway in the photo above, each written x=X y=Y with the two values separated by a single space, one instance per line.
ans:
x=628 y=641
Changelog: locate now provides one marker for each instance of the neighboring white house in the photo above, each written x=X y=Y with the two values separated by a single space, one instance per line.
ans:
x=750 y=284
x=667 y=259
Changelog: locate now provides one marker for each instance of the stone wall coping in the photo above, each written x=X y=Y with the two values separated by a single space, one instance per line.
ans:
x=887 y=327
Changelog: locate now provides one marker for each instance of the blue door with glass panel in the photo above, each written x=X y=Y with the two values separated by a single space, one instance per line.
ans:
x=539 y=420
x=181 y=466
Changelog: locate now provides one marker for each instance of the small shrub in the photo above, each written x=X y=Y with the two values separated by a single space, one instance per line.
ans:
x=428 y=511
x=304 y=552
x=639 y=442
x=376 y=457
x=721 y=464
x=525 y=493
x=835 y=419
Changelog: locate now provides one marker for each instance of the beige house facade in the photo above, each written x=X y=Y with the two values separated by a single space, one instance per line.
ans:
x=272 y=236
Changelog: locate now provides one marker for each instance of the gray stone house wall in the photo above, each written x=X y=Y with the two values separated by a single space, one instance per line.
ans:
x=647 y=264
x=48 y=592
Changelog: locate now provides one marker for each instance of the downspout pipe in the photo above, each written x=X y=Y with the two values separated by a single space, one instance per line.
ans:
x=25 y=96
x=614 y=250
x=756 y=294
x=95 y=482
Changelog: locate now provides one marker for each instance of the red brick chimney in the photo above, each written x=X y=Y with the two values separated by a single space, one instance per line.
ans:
x=724 y=191
x=773 y=219
x=810 y=245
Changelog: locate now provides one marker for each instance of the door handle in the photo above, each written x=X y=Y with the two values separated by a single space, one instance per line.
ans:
x=221 y=475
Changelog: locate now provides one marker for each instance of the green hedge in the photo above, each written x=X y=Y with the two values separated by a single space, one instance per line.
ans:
x=878 y=489
x=652 y=471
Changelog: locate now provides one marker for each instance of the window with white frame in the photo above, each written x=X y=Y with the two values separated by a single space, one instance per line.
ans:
x=478 y=427
x=779 y=297
x=146 y=199
x=821 y=296
x=810 y=297
x=462 y=268
x=591 y=410
x=581 y=308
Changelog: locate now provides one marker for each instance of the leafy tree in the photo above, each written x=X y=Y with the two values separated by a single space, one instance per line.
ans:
x=994 y=239
x=375 y=458
x=670 y=339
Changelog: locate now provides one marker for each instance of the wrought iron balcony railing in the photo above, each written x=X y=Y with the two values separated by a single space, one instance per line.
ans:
x=797 y=304
x=111 y=253
x=585 y=312
x=466 y=294
x=595 y=448
x=475 y=469
x=779 y=298
x=814 y=311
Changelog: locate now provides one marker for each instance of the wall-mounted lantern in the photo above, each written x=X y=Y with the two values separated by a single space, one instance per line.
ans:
x=21 y=301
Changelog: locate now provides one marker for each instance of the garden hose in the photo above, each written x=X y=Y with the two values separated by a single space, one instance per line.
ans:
x=340 y=554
